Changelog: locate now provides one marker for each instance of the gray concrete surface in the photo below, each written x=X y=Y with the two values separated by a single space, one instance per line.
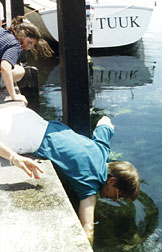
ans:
x=36 y=215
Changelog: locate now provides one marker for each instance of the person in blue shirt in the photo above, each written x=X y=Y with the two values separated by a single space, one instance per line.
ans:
x=21 y=35
x=83 y=161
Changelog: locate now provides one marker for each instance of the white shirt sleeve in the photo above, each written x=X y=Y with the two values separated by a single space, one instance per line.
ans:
x=21 y=129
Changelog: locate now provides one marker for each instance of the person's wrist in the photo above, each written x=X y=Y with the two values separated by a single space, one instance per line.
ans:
x=13 y=96
x=11 y=159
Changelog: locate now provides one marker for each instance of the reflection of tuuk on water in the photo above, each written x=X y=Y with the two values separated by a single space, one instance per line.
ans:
x=112 y=72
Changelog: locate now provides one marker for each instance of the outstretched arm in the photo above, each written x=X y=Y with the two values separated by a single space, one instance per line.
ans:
x=86 y=216
x=26 y=164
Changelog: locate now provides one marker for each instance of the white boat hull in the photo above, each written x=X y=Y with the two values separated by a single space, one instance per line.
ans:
x=112 y=25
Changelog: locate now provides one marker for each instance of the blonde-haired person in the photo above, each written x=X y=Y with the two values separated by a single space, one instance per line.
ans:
x=82 y=161
x=21 y=35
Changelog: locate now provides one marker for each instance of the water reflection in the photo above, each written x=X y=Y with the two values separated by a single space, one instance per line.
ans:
x=105 y=74
x=50 y=100
x=124 y=226
x=48 y=69
x=117 y=72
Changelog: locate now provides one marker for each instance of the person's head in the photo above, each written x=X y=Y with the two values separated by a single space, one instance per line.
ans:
x=30 y=37
x=123 y=182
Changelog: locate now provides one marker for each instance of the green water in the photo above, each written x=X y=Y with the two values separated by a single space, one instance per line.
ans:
x=128 y=88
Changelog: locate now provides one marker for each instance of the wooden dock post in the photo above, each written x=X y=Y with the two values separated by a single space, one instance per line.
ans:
x=73 y=64
x=12 y=8
x=4 y=9
x=17 y=8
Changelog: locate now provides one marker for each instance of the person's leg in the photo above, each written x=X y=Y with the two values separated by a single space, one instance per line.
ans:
x=18 y=73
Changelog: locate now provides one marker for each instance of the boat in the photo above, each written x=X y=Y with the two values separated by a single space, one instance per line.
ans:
x=43 y=14
x=110 y=23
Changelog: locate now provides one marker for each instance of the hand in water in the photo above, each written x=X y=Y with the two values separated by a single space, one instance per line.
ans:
x=89 y=230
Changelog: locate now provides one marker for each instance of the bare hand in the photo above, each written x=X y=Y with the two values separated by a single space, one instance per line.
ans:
x=105 y=120
x=19 y=97
x=28 y=165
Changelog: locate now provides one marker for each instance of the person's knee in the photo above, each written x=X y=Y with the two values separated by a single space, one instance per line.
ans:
x=18 y=73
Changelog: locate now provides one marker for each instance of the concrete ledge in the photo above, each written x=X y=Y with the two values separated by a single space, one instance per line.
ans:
x=5 y=99
x=36 y=215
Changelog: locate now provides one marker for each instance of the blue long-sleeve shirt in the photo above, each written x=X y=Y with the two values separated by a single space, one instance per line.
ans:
x=81 y=159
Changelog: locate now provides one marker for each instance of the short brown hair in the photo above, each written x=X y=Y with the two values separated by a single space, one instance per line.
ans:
x=127 y=178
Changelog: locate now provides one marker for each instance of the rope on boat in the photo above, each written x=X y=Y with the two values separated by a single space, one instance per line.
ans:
x=36 y=10
x=114 y=12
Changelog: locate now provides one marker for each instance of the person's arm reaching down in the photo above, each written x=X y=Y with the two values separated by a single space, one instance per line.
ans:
x=26 y=164
x=86 y=216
